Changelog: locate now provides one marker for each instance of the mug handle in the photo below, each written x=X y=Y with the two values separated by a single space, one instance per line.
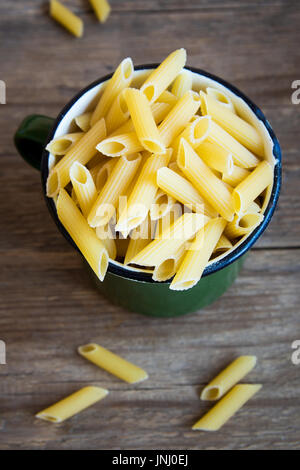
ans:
x=31 y=136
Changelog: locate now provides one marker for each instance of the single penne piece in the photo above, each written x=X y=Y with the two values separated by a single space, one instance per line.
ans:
x=123 y=144
x=221 y=97
x=252 y=186
x=73 y=404
x=195 y=132
x=205 y=181
x=105 y=234
x=120 y=178
x=61 y=145
x=83 y=236
x=229 y=377
x=182 y=83
x=118 y=113
x=198 y=255
x=66 y=18
x=101 y=9
x=241 y=130
x=112 y=363
x=143 y=121
x=159 y=80
x=183 y=191
x=168 y=267
x=241 y=155
x=142 y=194
x=121 y=79
x=139 y=238
x=243 y=224
x=217 y=416
x=104 y=173
x=84 y=121
x=84 y=187
x=170 y=240
x=167 y=97
x=237 y=175
x=216 y=157
x=178 y=117
x=161 y=205
x=82 y=151
x=223 y=244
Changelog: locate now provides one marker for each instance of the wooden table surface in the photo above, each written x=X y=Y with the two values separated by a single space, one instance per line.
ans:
x=48 y=305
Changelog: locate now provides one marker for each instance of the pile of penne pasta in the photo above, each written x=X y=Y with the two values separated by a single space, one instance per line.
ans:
x=159 y=177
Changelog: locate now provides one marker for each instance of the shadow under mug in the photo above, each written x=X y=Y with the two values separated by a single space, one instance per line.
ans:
x=135 y=290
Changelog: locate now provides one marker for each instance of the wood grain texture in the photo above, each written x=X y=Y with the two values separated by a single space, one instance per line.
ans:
x=48 y=306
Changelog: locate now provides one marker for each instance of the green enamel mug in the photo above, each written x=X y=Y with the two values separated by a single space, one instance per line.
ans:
x=134 y=288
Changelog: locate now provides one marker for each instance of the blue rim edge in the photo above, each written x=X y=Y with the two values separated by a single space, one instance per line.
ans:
x=235 y=254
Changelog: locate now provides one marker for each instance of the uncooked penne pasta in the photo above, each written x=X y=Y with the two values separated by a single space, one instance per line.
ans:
x=82 y=151
x=223 y=244
x=167 y=97
x=215 y=418
x=229 y=377
x=241 y=130
x=104 y=173
x=112 y=363
x=206 y=182
x=168 y=267
x=120 y=178
x=118 y=113
x=84 y=187
x=84 y=237
x=139 y=238
x=84 y=121
x=123 y=144
x=195 y=132
x=171 y=240
x=221 y=97
x=66 y=18
x=161 y=205
x=105 y=234
x=168 y=219
x=182 y=83
x=101 y=9
x=178 y=117
x=243 y=224
x=198 y=255
x=121 y=79
x=72 y=404
x=142 y=194
x=183 y=191
x=61 y=145
x=252 y=186
x=237 y=175
x=143 y=121
x=216 y=157
x=163 y=75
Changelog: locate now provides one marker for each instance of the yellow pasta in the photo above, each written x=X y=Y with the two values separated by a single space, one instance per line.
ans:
x=84 y=237
x=163 y=75
x=104 y=173
x=112 y=363
x=105 y=234
x=227 y=407
x=72 y=404
x=121 y=176
x=167 y=268
x=101 y=9
x=246 y=134
x=161 y=205
x=83 y=121
x=216 y=157
x=167 y=97
x=229 y=377
x=139 y=238
x=168 y=219
x=221 y=97
x=61 y=145
x=205 y=181
x=237 y=175
x=121 y=79
x=243 y=224
x=82 y=151
x=198 y=255
x=171 y=239
x=195 y=132
x=223 y=244
x=252 y=186
x=84 y=187
x=66 y=18
x=182 y=190
x=118 y=113
x=142 y=194
x=178 y=117
x=143 y=121
x=182 y=83
x=123 y=144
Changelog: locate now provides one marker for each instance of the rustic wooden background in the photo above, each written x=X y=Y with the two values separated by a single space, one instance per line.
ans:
x=48 y=306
